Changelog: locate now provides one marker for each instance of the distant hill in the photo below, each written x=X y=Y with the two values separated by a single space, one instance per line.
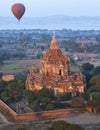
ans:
x=51 y=22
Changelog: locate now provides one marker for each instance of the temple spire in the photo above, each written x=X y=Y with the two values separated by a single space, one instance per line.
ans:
x=54 y=42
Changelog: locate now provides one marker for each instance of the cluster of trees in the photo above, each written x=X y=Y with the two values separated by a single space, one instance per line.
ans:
x=38 y=99
x=12 y=91
x=62 y=125
x=77 y=102
x=45 y=99
x=93 y=86
x=92 y=75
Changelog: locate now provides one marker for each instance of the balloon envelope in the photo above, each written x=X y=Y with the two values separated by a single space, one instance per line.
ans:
x=18 y=10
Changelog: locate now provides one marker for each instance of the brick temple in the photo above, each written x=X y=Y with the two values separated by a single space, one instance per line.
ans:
x=55 y=73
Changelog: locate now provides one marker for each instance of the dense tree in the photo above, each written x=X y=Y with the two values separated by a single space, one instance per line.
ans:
x=62 y=125
x=96 y=70
x=66 y=96
x=43 y=95
x=94 y=83
x=12 y=91
x=38 y=99
x=30 y=96
x=88 y=72
x=75 y=127
x=77 y=102
x=88 y=76
x=96 y=96
x=49 y=107
x=5 y=97
x=87 y=67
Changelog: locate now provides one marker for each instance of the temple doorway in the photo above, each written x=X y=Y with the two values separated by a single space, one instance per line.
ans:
x=60 y=72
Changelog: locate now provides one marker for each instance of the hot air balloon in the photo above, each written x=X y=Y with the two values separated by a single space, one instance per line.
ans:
x=18 y=10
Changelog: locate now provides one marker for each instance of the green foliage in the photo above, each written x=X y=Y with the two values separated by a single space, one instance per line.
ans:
x=21 y=129
x=94 y=83
x=96 y=70
x=66 y=96
x=88 y=76
x=30 y=96
x=88 y=72
x=86 y=96
x=77 y=102
x=35 y=106
x=38 y=99
x=12 y=91
x=5 y=97
x=87 y=67
x=44 y=100
x=75 y=127
x=92 y=103
x=96 y=96
x=43 y=95
x=62 y=125
x=58 y=104
x=49 y=107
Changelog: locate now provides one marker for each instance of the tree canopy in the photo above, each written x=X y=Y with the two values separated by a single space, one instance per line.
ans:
x=12 y=91
x=63 y=125
x=96 y=70
x=94 y=83
x=87 y=67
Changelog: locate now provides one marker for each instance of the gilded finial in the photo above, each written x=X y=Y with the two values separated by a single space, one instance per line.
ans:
x=54 y=42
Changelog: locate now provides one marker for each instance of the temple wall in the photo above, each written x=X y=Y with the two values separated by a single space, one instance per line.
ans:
x=34 y=115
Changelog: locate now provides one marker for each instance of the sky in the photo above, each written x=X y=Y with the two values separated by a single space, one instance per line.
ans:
x=40 y=8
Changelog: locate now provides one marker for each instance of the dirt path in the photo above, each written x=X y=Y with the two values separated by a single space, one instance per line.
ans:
x=4 y=121
x=82 y=118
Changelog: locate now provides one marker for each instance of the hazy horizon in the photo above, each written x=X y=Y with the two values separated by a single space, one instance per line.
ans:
x=50 y=8
x=52 y=22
